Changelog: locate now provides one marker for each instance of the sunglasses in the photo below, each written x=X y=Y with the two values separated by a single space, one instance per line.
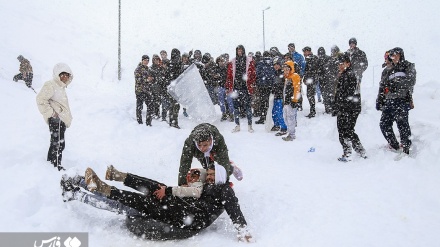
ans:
x=65 y=74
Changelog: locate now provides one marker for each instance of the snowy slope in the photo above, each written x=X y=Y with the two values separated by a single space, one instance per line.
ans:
x=290 y=197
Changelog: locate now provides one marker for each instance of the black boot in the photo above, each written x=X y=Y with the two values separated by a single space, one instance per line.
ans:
x=261 y=121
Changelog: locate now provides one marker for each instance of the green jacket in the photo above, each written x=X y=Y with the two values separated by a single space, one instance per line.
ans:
x=219 y=153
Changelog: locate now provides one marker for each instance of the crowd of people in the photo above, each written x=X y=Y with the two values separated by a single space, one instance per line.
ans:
x=241 y=86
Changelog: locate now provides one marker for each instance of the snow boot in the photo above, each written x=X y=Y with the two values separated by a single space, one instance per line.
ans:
x=261 y=121
x=250 y=129
x=236 y=129
x=95 y=184
x=281 y=133
x=114 y=175
x=275 y=128
x=288 y=138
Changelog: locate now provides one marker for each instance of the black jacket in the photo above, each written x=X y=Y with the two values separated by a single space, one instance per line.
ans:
x=324 y=69
x=278 y=84
x=311 y=70
x=187 y=212
x=359 y=61
x=399 y=81
x=346 y=99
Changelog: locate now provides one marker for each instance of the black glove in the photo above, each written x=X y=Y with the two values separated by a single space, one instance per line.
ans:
x=378 y=106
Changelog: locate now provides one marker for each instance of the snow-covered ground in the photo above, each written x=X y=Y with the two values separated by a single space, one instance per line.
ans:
x=290 y=197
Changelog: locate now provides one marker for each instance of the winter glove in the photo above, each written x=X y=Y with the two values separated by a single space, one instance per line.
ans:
x=15 y=79
x=378 y=106
x=244 y=234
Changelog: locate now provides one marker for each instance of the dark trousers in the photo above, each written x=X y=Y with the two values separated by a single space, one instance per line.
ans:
x=172 y=210
x=396 y=112
x=27 y=80
x=146 y=98
x=57 y=142
x=327 y=94
x=156 y=97
x=173 y=111
x=346 y=121
x=311 y=91
x=264 y=101
x=243 y=100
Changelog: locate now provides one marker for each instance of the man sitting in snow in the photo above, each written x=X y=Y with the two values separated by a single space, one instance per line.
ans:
x=217 y=196
x=207 y=145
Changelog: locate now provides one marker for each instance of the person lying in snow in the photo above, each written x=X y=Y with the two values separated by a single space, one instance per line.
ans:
x=170 y=205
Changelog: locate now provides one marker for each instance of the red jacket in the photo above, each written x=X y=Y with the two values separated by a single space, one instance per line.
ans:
x=250 y=71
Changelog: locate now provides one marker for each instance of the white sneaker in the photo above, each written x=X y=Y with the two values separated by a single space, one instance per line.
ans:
x=236 y=129
x=400 y=156
x=238 y=174
x=250 y=129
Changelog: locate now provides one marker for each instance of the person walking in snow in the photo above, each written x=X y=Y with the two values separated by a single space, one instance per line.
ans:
x=241 y=81
x=348 y=107
x=144 y=90
x=207 y=145
x=53 y=104
x=26 y=74
x=395 y=99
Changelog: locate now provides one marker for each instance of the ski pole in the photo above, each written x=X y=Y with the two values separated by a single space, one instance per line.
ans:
x=33 y=89
x=59 y=142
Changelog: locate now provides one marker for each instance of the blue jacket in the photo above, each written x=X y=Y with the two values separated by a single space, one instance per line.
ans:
x=265 y=73
x=299 y=59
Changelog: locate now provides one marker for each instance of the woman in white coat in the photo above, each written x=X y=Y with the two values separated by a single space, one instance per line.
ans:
x=53 y=104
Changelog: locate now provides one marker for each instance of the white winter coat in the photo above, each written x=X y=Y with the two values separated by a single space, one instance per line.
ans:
x=52 y=97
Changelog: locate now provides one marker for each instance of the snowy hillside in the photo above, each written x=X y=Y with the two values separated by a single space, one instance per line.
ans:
x=289 y=196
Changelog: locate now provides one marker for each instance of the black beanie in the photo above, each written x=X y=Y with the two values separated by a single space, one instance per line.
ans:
x=145 y=57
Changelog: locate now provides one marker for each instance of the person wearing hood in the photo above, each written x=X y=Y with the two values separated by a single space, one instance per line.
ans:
x=53 y=104
x=348 y=107
x=265 y=77
x=174 y=69
x=291 y=98
x=26 y=74
x=241 y=82
x=164 y=203
x=324 y=75
x=398 y=85
x=358 y=60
